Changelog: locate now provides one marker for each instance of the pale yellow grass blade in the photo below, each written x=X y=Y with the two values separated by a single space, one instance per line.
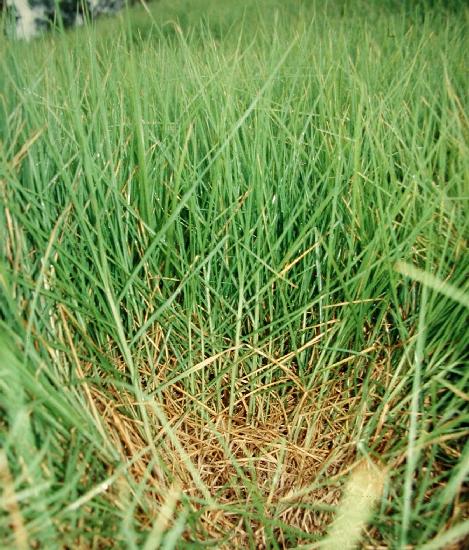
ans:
x=362 y=492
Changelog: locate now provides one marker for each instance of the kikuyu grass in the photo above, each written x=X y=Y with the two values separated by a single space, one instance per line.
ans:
x=234 y=264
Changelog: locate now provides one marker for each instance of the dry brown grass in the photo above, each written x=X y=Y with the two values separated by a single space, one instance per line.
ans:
x=290 y=457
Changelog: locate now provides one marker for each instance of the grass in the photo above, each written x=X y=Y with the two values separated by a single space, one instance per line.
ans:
x=234 y=271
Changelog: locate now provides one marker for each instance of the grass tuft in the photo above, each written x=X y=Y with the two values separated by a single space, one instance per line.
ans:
x=233 y=277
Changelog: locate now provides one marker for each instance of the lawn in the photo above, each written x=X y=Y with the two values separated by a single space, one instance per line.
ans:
x=234 y=278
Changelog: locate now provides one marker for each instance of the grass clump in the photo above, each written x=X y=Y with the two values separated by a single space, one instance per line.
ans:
x=233 y=268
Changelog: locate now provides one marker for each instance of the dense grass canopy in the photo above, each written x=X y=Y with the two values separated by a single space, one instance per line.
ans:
x=233 y=267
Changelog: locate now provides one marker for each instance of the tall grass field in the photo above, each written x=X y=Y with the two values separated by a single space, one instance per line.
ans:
x=234 y=278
